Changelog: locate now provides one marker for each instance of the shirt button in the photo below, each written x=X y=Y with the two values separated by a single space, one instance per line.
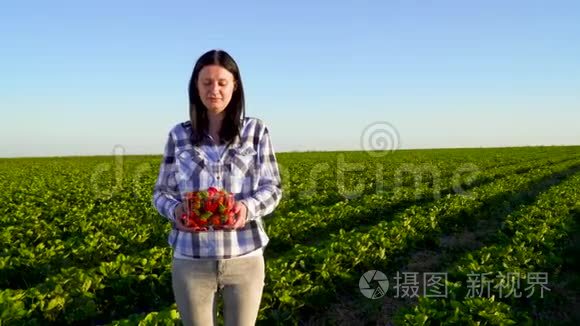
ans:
x=218 y=177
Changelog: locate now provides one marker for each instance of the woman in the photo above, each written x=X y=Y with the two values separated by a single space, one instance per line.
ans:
x=218 y=147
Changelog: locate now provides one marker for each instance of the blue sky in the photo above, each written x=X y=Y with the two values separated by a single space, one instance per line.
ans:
x=81 y=78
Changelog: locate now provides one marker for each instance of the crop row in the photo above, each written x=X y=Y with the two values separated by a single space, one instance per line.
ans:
x=293 y=228
x=530 y=249
x=336 y=177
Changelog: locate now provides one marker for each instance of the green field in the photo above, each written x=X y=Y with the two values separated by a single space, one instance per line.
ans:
x=82 y=244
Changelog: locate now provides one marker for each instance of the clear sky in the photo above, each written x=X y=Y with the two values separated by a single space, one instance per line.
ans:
x=80 y=77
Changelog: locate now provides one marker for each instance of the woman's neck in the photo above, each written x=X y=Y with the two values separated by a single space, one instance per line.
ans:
x=215 y=125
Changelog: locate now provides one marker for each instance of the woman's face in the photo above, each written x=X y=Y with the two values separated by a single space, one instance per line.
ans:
x=216 y=86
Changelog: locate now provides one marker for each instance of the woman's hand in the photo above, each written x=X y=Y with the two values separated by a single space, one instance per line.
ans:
x=241 y=214
x=179 y=211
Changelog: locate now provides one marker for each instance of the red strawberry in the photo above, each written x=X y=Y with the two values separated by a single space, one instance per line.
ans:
x=215 y=220
x=212 y=191
x=230 y=202
x=230 y=218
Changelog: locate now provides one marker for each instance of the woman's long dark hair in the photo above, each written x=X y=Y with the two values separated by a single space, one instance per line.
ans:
x=235 y=111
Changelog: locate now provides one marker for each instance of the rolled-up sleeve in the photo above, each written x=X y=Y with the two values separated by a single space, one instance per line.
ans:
x=267 y=196
x=166 y=195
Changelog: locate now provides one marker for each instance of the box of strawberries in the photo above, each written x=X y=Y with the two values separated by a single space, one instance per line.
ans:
x=210 y=209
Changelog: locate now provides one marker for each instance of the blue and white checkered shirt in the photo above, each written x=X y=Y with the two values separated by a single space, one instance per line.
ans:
x=247 y=167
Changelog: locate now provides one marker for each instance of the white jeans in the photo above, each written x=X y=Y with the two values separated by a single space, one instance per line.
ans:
x=195 y=285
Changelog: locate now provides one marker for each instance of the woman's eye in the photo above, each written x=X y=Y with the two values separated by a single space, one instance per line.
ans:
x=221 y=83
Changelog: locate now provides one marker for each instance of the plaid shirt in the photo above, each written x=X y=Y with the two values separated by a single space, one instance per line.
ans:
x=247 y=168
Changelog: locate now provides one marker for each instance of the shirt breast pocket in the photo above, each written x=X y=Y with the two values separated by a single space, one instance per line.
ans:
x=192 y=172
x=242 y=169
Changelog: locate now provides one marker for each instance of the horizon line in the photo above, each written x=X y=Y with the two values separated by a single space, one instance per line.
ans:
x=308 y=151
